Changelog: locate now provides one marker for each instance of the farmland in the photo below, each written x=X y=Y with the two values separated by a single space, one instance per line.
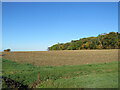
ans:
x=61 y=69
x=66 y=57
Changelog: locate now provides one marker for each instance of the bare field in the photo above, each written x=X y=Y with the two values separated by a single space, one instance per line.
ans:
x=66 y=57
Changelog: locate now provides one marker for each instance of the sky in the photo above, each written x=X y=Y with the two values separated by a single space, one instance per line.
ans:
x=35 y=26
x=60 y=0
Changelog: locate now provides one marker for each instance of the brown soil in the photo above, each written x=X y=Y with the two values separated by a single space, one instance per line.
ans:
x=66 y=57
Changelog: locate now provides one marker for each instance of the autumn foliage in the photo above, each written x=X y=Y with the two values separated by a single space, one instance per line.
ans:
x=102 y=41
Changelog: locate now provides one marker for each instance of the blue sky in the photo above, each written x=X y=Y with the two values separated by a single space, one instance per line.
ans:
x=38 y=25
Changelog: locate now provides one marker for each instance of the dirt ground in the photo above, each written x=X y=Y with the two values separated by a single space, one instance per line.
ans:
x=66 y=57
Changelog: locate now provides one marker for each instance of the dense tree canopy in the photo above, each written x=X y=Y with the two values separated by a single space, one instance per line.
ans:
x=102 y=41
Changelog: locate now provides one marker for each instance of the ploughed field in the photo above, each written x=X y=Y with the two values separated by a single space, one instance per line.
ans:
x=63 y=57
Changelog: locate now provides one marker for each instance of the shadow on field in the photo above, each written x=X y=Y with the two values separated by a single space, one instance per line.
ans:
x=9 y=83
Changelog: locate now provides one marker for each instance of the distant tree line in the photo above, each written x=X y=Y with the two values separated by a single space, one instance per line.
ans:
x=102 y=41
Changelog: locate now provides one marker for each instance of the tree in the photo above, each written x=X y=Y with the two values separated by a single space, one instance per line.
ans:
x=73 y=46
x=7 y=50
x=102 y=41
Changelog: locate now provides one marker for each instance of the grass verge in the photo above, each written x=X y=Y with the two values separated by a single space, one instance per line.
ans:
x=102 y=75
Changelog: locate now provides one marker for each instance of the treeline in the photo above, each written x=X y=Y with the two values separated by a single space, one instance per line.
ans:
x=102 y=41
